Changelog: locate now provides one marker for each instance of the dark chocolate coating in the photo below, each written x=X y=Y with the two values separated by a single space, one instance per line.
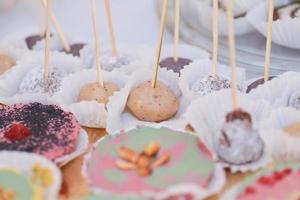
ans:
x=75 y=49
x=256 y=83
x=238 y=114
x=32 y=40
x=276 y=14
x=170 y=64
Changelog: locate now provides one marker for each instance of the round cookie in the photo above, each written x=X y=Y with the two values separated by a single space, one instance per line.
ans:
x=188 y=165
x=210 y=84
x=237 y=142
x=42 y=129
x=152 y=104
x=6 y=63
x=176 y=66
x=75 y=49
x=95 y=92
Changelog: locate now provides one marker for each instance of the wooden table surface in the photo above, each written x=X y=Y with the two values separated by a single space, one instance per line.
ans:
x=75 y=186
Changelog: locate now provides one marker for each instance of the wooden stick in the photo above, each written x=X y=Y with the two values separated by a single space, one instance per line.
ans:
x=161 y=34
x=42 y=20
x=111 y=30
x=46 y=66
x=269 y=41
x=176 y=29
x=232 y=55
x=58 y=28
x=215 y=37
x=97 y=44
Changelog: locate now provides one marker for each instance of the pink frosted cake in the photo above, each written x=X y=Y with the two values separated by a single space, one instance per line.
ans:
x=188 y=170
x=283 y=183
x=43 y=129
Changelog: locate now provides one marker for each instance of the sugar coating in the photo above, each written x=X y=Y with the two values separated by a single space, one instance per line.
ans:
x=294 y=100
x=34 y=81
x=238 y=143
x=110 y=62
x=210 y=84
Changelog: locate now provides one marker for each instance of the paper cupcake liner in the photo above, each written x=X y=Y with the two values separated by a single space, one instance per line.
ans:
x=24 y=162
x=200 y=69
x=81 y=148
x=10 y=81
x=118 y=119
x=285 y=31
x=207 y=114
x=277 y=91
x=242 y=5
x=216 y=184
x=205 y=10
x=284 y=147
x=88 y=113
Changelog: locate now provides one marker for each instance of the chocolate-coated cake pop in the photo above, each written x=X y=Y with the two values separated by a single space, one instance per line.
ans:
x=75 y=49
x=6 y=63
x=33 y=39
x=175 y=66
x=257 y=83
x=287 y=11
x=237 y=142
x=152 y=104
x=210 y=84
x=95 y=92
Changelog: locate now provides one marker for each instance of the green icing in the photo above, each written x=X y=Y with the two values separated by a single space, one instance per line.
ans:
x=115 y=175
x=10 y=180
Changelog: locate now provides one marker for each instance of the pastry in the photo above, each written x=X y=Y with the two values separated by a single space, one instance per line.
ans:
x=237 y=143
x=210 y=84
x=152 y=104
x=257 y=83
x=43 y=129
x=176 y=66
x=6 y=62
x=287 y=11
x=75 y=49
x=95 y=92
x=188 y=164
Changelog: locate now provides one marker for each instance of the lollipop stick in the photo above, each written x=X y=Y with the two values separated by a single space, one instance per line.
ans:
x=176 y=29
x=97 y=44
x=269 y=41
x=161 y=34
x=232 y=58
x=215 y=37
x=46 y=66
x=58 y=28
x=111 y=30
x=42 y=20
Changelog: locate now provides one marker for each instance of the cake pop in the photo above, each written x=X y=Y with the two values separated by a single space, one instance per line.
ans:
x=33 y=39
x=96 y=92
x=152 y=104
x=257 y=83
x=75 y=49
x=294 y=100
x=6 y=62
x=110 y=62
x=287 y=11
x=171 y=64
x=237 y=142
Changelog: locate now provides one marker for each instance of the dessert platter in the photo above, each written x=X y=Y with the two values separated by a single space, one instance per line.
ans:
x=82 y=122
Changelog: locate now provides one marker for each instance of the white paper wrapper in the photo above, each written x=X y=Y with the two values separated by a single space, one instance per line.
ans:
x=134 y=55
x=207 y=115
x=24 y=162
x=10 y=81
x=205 y=10
x=285 y=31
x=88 y=113
x=81 y=148
x=277 y=91
x=118 y=119
x=200 y=69
x=216 y=184
x=284 y=146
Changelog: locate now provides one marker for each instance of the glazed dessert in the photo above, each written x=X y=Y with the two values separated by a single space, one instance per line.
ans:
x=257 y=83
x=34 y=81
x=110 y=62
x=43 y=129
x=6 y=62
x=276 y=185
x=237 y=143
x=95 y=92
x=287 y=11
x=188 y=163
x=152 y=104
x=75 y=49
x=176 y=66
x=210 y=84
